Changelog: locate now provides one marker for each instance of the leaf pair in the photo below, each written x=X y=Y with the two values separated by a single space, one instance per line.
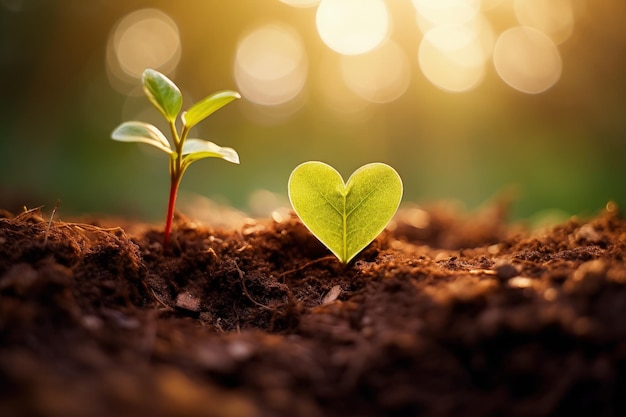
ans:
x=192 y=149
x=167 y=98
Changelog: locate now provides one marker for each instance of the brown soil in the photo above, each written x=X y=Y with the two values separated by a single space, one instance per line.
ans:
x=443 y=315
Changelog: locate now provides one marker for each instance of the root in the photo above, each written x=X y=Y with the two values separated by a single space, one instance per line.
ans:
x=306 y=265
x=245 y=289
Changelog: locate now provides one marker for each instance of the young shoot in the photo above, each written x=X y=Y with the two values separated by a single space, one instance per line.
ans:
x=167 y=98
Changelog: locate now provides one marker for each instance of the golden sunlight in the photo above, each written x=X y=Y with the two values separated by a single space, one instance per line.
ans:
x=527 y=60
x=301 y=3
x=453 y=56
x=489 y=4
x=271 y=65
x=146 y=38
x=439 y=12
x=336 y=95
x=353 y=27
x=380 y=76
x=553 y=17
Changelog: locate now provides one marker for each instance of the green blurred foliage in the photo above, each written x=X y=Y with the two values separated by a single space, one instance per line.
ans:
x=562 y=149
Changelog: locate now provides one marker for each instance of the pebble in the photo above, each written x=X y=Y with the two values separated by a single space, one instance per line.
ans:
x=588 y=233
x=332 y=295
x=505 y=270
x=92 y=322
x=588 y=278
x=240 y=350
x=188 y=302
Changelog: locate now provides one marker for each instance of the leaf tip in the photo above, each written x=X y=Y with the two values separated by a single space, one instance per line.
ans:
x=147 y=74
x=230 y=155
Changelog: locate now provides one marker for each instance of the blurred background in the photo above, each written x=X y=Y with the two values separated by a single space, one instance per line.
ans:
x=469 y=100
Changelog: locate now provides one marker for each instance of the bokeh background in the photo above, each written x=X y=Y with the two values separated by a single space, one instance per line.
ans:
x=469 y=100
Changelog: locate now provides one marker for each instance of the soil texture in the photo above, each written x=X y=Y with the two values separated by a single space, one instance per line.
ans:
x=444 y=314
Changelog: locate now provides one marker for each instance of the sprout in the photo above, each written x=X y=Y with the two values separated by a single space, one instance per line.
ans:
x=167 y=98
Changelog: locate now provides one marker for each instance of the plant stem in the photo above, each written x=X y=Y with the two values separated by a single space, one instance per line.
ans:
x=170 y=209
x=176 y=174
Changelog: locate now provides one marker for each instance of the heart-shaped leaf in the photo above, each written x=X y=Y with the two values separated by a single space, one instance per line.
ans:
x=163 y=93
x=142 y=132
x=204 y=108
x=345 y=217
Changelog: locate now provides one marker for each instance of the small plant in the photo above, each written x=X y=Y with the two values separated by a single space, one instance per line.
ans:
x=167 y=98
x=345 y=217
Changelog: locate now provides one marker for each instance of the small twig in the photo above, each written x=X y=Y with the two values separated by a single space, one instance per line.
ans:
x=218 y=326
x=306 y=265
x=54 y=210
x=28 y=211
x=245 y=289
x=160 y=301
x=92 y=228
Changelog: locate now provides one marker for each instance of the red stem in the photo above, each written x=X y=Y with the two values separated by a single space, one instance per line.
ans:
x=176 y=174
x=170 y=211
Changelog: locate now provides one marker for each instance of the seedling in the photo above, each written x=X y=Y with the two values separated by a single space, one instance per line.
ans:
x=167 y=98
x=345 y=217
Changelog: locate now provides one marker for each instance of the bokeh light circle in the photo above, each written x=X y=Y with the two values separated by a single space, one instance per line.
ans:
x=553 y=17
x=335 y=94
x=271 y=65
x=301 y=3
x=442 y=12
x=453 y=57
x=352 y=27
x=527 y=60
x=380 y=76
x=146 y=38
x=489 y=4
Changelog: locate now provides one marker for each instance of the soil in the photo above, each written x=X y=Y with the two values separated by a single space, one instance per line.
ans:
x=444 y=314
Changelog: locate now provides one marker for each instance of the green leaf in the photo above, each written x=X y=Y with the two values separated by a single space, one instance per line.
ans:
x=204 y=108
x=345 y=217
x=195 y=149
x=163 y=93
x=142 y=132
